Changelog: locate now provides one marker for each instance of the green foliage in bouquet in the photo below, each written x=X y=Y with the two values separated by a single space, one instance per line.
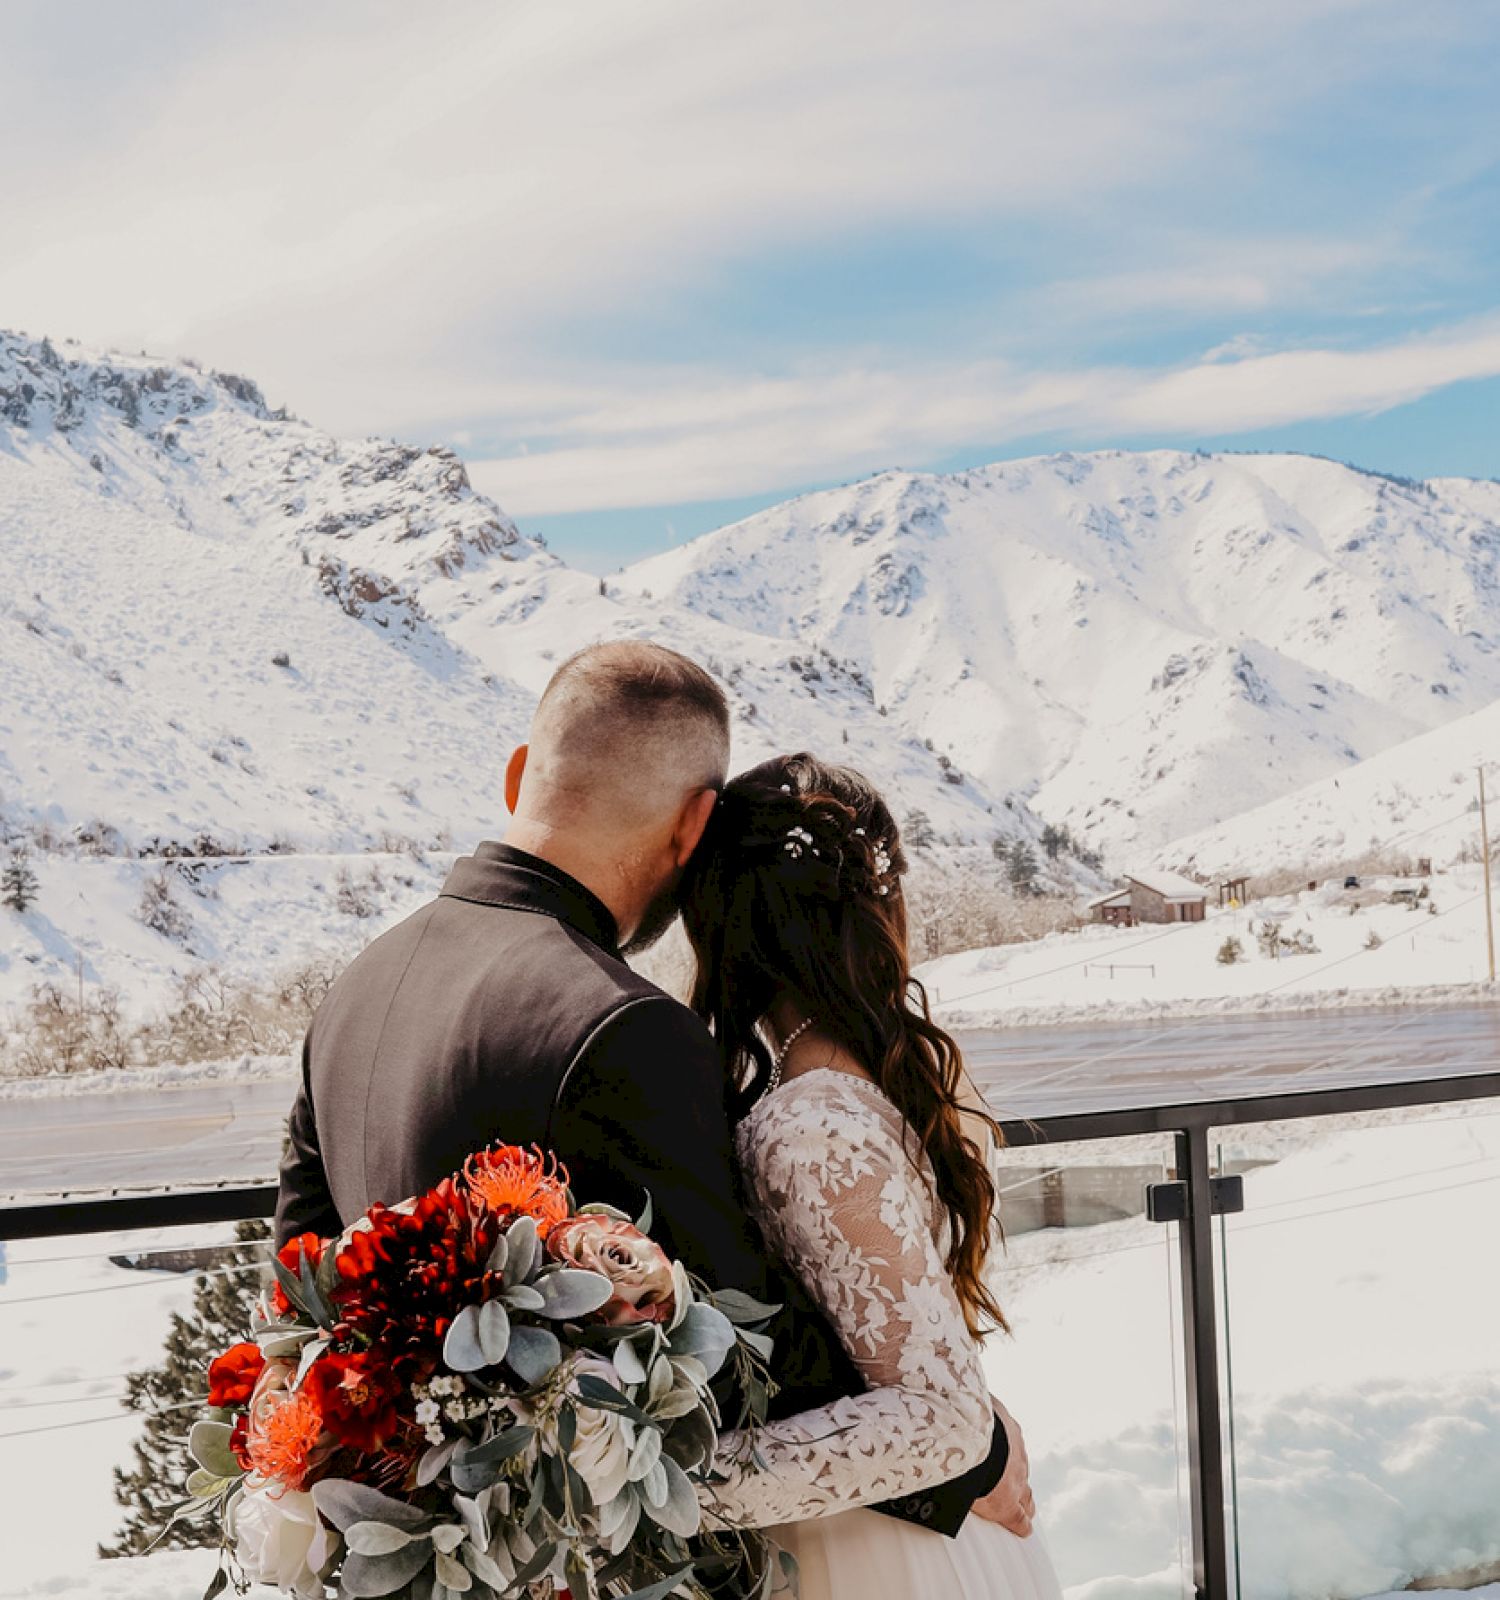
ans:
x=484 y=1392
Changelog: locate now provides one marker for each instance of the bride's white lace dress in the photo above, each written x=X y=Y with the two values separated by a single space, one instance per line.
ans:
x=836 y=1193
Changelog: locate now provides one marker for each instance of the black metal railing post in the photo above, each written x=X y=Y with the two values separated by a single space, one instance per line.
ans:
x=1201 y=1367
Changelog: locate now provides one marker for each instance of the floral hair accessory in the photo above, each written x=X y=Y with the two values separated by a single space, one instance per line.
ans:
x=798 y=839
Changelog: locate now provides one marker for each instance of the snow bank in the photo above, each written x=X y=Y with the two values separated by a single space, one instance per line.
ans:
x=1368 y=952
x=240 y=1069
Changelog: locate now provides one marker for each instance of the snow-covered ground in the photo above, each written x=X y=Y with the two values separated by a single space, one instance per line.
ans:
x=1361 y=1334
x=255 y=918
x=1174 y=968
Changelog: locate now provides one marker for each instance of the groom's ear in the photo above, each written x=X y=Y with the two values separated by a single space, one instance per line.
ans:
x=691 y=822
x=514 y=769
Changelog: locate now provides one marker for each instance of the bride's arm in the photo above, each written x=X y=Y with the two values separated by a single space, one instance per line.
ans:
x=853 y=1219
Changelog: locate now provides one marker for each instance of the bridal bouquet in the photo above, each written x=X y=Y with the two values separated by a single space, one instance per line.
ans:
x=482 y=1391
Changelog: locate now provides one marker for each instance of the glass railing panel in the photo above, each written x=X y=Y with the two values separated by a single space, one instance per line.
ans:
x=82 y=1319
x=1091 y=1369
x=1361 y=1286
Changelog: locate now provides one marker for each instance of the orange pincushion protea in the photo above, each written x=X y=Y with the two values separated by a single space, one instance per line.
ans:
x=509 y=1181
x=283 y=1436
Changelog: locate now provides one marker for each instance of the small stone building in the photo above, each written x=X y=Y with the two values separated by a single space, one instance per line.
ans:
x=1113 y=908
x=1166 y=897
x=1151 y=897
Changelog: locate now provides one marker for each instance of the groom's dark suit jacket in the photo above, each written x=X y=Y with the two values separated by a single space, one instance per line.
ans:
x=503 y=1011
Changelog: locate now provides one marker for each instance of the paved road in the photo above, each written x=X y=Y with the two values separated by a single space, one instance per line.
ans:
x=216 y=1131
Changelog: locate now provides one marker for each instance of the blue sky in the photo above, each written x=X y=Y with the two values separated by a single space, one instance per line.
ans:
x=653 y=267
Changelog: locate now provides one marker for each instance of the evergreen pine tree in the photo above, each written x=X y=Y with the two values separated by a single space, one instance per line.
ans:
x=1053 y=840
x=165 y=1394
x=18 y=884
x=918 y=831
x=1022 y=865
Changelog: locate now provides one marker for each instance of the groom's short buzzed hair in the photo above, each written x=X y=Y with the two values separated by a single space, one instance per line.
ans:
x=636 y=711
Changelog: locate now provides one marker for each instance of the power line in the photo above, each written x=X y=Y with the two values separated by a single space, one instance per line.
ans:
x=174 y=1279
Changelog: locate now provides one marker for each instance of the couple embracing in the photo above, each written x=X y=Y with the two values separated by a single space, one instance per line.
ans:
x=804 y=1130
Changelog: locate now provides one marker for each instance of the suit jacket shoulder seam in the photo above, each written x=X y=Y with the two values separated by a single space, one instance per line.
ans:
x=628 y=1004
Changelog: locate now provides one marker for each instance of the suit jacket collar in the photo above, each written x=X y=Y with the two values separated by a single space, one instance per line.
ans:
x=501 y=875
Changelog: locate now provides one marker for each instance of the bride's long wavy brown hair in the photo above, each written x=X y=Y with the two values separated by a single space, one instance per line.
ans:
x=796 y=893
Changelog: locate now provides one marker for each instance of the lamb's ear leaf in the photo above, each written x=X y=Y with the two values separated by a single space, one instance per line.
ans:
x=494 y=1332
x=208 y=1444
x=679 y=1513
x=573 y=1292
x=345 y=1502
x=647 y=1216
x=522 y=1242
x=433 y=1462
x=462 y=1350
x=367 y=1577
x=377 y=1538
x=601 y=1208
x=533 y=1354
x=522 y=1298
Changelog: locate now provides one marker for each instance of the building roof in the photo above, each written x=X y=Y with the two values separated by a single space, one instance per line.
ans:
x=1169 y=885
x=1110 y=898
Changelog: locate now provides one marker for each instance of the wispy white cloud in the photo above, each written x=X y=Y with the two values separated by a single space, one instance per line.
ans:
x=409 y=219
x=706 y=438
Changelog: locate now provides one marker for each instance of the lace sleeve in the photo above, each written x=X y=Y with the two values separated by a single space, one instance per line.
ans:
x=839 y=1196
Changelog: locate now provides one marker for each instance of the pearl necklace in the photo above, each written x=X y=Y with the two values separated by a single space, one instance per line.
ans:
x=779 y=1061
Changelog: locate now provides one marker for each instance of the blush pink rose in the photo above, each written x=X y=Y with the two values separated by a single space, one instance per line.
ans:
x=637 y=1266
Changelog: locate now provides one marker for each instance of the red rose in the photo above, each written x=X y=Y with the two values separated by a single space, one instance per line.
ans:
x=357 y=1395
x=290 y=1256
x=231 y=1376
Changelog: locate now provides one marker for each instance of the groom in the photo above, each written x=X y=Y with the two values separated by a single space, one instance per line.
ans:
x=503 y=1011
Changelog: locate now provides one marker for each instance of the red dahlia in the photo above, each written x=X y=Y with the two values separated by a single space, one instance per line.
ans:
x=405 y=1272
x=357 y=1395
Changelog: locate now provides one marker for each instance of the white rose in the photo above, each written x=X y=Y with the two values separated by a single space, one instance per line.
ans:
x=601 y=1446
x=277 y=1538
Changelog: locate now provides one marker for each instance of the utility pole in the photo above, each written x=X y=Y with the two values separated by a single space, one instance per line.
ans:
x=1489 y=910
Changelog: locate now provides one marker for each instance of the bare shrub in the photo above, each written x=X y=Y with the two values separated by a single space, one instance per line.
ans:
x=160 y=910
x=968 y=907
x=358 y=897
x=65 y=1030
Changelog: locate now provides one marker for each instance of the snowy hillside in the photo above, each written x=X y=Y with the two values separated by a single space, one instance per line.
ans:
x=1420 y=798
x=1141 y=644
x=224 y=633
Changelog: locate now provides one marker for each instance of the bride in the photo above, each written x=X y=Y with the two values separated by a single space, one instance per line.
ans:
x=868 y=1162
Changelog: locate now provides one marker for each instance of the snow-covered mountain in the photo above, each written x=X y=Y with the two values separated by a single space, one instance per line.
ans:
x=1141 y=645
x=222 y=629
x=219 y=621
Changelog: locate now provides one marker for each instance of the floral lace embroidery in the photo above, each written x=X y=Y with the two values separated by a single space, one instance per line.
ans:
x=837 y=1195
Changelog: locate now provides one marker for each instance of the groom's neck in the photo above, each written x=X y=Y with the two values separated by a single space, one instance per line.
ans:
x=568 y=854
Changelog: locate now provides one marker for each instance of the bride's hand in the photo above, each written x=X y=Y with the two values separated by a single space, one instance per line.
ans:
x=1011 y=1503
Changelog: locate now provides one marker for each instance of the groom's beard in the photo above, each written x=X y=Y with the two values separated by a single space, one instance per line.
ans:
x=655 y=920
